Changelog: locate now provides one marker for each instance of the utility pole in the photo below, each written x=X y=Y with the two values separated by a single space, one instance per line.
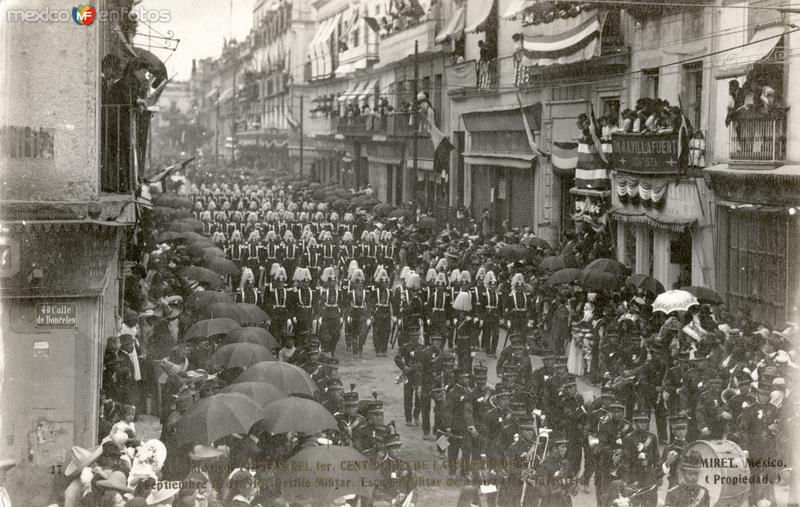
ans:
x=412 y=189
x=301 y=135
x=233 y=112
x=216 y=136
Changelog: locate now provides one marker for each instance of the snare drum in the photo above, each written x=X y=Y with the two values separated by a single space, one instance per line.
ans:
x=724 y=472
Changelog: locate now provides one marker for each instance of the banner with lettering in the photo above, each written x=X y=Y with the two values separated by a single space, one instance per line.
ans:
x=648 y=153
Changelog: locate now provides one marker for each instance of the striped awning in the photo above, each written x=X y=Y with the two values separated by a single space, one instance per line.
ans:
x=591 y=171
x=368 y=90
x=515 y=7
x=454 y=27
x=350 y=93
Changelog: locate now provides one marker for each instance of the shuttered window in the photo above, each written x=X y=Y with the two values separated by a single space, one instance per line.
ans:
x=522 y=206
x=481 y=189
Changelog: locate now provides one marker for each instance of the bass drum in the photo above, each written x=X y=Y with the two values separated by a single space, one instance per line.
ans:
x=724 y=473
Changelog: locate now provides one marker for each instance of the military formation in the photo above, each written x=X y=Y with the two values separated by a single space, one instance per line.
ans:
x=532 y=436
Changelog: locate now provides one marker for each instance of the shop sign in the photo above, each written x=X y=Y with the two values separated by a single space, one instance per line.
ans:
x=648 y=153
x=56 y=315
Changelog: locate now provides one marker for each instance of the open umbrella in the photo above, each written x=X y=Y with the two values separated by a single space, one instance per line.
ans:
x=261 y=392
x=296 y=414
x=674 y=300
x=326 y=473
x=286 y=377
x=399 y=213
x=197 y=224
x=607 y=265
x=645 y=282
x=196 y=247
x=218 y=416
x=426 y=222
x=191 y=236
x=212 y=252
x=562 y=276
x=224 y=310
x=242 y=355
x=179 y=227
x=556 y=262
x=704 y=294
x=257 y=335
x=253 y=314
x=600 y=280
x=210 y=327
x=169 y=236
x=206 y=297
x=222 y=266
x=534 y=242
x=513 y=252
x=332 y=198
x=382 y=209
x=200 y=274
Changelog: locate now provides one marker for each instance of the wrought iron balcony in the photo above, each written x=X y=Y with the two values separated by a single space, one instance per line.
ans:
x=758 y=136
x=390 y=124
x=117 y=149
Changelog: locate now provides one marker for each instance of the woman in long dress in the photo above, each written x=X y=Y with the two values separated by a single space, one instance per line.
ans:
x=582 y=331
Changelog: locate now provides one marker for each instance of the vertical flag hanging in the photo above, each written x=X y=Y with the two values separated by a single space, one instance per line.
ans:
x=441 y=145
x=531 y=141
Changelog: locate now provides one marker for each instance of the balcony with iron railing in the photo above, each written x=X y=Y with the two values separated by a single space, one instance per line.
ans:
x=117 y=150
x=390 y=124
x=487 y=75
x=399 y=44
x=758 y=137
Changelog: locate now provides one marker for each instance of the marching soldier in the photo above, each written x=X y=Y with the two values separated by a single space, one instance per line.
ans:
x=330 y=311
x=757 y=428
x=370 y=251
x=463 y=330
x=438 y=309
x=407 y=360
x=673 y=453
x=276 y=303
x=494 y=439
x=482 y=393
x=381 y=312
x=329 y=251
x=365 y=436
x=396 y=477
x=428 y=369
x=334 y=401
x=312 y=260
x=689 y=492
x=460 y=424
x=520 y=462
x=347 y=251
x=248 y=292
x=410 y=309
x=236 y=254
x=610 y=431
x=492 y=310
x=387 y=255
x=640 y=460
x=349 y=420
x=710 y=413
x=357 y=321
x=251 y=252
x=518 y=308
x=289 y=253
x=301 y=308
x=556 y=474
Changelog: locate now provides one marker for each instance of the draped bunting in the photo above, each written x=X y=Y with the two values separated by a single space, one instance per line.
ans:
x=591 y=171
x=648 y=193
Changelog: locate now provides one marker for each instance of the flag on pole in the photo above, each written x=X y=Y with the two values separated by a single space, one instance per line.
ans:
x=683 y=136
x=531 y=141
x=441 y=145
x=595 y=139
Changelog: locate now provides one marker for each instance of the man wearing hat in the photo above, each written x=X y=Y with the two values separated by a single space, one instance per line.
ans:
x=357 y=321
x=520 y=463
x=396 y=477
x=301 y=307
x=518 y=307
x=640 y=459
x=460 y=423
x=407 y=359
x=689 y=491
x=428 y=367
x=349 y=419
x=276 y=304
x=492 y=311
x=557 y=475
x=364 y=438
x=611 y=432
x=410 y=309
x=464 y=330
x=330 y=303
x=387 y=253
x=738 y=399
x=380 y=308
x=494 y=438
x=757 y=428
x=710 y=413
x=438 y=307
x=673 y=453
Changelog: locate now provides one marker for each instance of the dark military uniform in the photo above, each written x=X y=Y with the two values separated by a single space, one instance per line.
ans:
x=407 y=360
x=396 y=478
x=459 y=420
x=641 y=463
